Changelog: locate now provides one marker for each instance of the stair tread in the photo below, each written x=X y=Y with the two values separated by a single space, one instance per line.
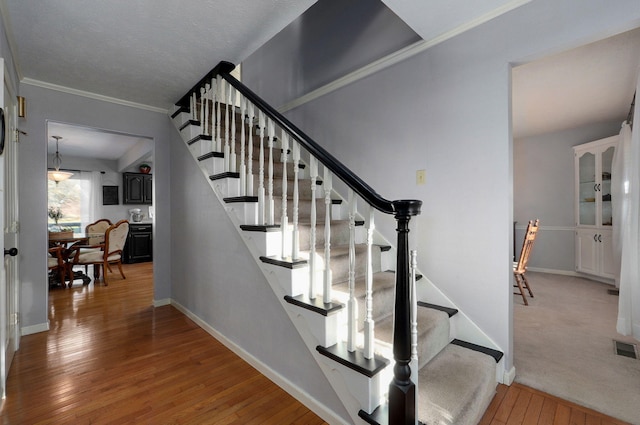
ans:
x=433 y=333
x=450 y=311
x=456 y=386
x=354 y=360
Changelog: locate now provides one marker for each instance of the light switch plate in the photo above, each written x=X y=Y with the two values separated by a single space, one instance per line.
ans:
x=421 y=177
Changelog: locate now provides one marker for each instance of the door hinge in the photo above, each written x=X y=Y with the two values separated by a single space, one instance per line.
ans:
x=15 y=318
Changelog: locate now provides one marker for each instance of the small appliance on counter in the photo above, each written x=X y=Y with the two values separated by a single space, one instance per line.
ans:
x=136 y=215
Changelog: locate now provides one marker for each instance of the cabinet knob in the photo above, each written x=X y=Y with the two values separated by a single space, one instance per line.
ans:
x=599 y=238
x=595 y=238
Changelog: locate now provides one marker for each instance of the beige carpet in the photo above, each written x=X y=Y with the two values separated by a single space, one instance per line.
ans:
x=563 y=346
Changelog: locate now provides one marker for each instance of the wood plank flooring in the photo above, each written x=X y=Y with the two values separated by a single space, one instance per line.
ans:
x=520 y=405
x=111 y=358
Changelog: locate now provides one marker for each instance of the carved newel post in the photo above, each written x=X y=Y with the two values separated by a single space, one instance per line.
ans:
x=402 y=391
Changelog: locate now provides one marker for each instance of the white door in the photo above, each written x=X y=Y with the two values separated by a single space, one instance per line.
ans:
x=9 y=300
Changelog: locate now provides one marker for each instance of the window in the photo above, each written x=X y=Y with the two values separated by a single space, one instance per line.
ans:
x=74 y=197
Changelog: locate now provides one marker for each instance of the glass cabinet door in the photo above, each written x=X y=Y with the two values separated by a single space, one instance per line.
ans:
x=605 y=187
x=587 y=189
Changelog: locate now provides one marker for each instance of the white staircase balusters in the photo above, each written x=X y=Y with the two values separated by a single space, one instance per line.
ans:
x=295 y=241
x=212 y=111
x=313 y=171
x=284 y=220
x=326 y=297
x=249 y=178
x=202 y=102
x=218 y=144
x=243 y=164
x=205 y=107
x=261 y=206
x=414 y=323
x=368 y=299
x=270 y=200
x=352 y=305
x=229 y=146
x=227 y=101
x=192 y=105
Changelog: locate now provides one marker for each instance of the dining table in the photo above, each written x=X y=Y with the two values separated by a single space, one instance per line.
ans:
x=70 y=243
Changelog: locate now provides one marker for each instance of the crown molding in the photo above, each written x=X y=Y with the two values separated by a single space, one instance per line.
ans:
x=69 y=90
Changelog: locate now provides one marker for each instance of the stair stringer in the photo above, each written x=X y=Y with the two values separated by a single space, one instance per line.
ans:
x=342 y=385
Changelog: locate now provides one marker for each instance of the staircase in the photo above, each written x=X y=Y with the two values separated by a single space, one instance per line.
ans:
x=347 y=290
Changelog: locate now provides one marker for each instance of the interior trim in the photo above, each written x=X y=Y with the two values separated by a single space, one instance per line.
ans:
x=69 y=90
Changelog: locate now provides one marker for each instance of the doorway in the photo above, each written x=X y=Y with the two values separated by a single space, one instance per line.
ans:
x=570 y=98
x=97 y=160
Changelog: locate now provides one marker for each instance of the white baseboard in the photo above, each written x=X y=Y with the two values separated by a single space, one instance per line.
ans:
x=298 y=393
x=554 y=271
x=160 y=303
x=509 y=376
x=34 y=329
x=572 y=273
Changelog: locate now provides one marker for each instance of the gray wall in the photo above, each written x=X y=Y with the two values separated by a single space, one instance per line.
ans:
x=447 y=111
x=543 y=183
x=215 y=277
x=45 y=104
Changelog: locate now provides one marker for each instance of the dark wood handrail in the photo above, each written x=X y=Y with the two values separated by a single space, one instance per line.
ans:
x=332 y=163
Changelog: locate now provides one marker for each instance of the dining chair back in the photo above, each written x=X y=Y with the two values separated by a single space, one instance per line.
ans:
x=96 y=231
x=520 y=267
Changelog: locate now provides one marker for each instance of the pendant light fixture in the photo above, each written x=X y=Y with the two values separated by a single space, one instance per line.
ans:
x=57 y=175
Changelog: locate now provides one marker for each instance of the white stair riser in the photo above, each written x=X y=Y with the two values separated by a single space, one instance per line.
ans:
x=294 y=282
x=323 y=328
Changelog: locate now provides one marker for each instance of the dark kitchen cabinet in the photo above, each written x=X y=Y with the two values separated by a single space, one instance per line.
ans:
x=139 y=246
x=137 y=188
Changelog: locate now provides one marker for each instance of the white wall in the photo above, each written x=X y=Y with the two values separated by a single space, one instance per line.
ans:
x=543 y=181
x=447 y=111
x=45 y=104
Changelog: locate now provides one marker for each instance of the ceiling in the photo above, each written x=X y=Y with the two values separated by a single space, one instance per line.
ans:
x=150 y=52
x=86 y=142
x=594 y=83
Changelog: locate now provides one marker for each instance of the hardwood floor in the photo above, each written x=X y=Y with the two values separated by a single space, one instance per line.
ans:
x=111 y=358
x=522 y=405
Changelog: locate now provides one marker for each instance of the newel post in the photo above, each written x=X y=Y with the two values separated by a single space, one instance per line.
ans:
x=402 y=391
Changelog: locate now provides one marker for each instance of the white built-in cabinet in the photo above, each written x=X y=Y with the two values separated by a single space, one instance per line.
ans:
x=594 y=240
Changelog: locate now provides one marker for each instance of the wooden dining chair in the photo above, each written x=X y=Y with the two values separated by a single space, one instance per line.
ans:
x=520 y=267
x=56 y=264
x=95 y=232
x=114 y=239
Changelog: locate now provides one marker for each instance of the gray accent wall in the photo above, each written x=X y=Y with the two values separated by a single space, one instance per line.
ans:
x=543 y=183
x=343 y=36
x=447 y=111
